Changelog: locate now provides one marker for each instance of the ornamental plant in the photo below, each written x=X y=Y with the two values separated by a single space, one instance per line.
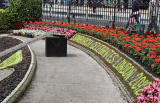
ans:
x=3 y=28
x=143 y=48
x=150 y=93
x=25 y=10
x=28 y=33
x=19 y=11
x=67 y=32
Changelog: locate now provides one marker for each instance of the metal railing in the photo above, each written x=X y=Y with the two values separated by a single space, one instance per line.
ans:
x=105 y=13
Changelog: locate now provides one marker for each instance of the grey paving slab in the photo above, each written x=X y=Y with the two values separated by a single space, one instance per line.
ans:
x=76 y=78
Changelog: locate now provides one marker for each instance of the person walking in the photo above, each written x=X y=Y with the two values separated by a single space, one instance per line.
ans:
x=125 y=5
x=153 y=15
x=89 y=3
x=135 y=12
x=94 y=4
x=51 y=2
x=119 y=5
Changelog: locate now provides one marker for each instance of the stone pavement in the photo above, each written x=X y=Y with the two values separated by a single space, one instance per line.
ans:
x=76 y=78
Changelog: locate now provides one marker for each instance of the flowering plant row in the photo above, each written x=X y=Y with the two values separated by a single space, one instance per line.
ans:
x=28 y=33
x=150 y=93
x=68 y=33
x=134 y=78
x=3 y=28
x=145 y=49
x=130 y=75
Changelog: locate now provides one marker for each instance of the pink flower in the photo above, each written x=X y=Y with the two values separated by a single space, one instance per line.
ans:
x=140 y=99
x=155 y=99
x=150 y=93
x=150 y=97
x=157 y=80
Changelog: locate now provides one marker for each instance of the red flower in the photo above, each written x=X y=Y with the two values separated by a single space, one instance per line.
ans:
x=30 y=22
x=157 y=60
x=158 y=56
x=154 y=48
x=157 y=44
x=141 y=36
x=104 y=34
x=26 y=22
x=158 y=38
x=152 y=56
x=126 y=45
x=149 y=44
x=50 y=23
x=133 y=41
x=115 y=37
x=144 y=43
x=144 y=46
x=138 y=44
x=138 y=48
x=153 y=53
x=138 y=39
x=127 y=40
x=123 y=38
x=133 y=46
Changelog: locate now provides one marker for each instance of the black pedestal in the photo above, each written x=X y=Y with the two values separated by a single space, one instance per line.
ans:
x=56 y=46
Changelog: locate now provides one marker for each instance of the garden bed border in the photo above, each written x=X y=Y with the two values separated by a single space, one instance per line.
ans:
x=18 y=91
x=114 y=77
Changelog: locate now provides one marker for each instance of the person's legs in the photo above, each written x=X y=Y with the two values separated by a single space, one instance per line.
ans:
x=155 y=25
x=128 y=22
x=150 y=26
x=137 y=18
x=94 y=9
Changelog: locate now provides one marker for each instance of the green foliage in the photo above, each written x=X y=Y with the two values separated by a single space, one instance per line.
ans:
x=2 y=10
x=21 y=10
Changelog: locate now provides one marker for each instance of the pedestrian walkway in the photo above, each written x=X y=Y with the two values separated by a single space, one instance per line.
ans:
x=76 y=78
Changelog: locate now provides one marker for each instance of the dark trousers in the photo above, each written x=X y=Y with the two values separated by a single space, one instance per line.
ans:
x=94 y=9
x=153 y=24
x=136 y=18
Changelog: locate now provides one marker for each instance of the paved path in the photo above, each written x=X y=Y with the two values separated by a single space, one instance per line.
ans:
x=76 y=78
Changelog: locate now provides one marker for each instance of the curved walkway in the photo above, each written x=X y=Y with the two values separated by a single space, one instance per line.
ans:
x=76 y=78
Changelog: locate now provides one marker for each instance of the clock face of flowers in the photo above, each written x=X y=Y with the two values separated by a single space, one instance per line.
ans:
x=13 y=66
x=5 y=70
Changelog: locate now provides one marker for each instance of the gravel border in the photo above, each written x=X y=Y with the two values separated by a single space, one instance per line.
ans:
x=16 y=93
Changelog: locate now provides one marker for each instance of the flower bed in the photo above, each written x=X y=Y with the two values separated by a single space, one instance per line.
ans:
x=28 y=33
x=131 y=75
x=13 y=66
x=35 y=30
x=4 y=28
x=150 y=93
x=143 y=48
x=146 y=50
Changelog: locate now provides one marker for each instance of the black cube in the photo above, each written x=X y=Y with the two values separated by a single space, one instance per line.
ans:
x=56 y=46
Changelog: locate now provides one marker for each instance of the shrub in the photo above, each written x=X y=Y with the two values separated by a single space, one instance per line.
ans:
x=20 y=10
